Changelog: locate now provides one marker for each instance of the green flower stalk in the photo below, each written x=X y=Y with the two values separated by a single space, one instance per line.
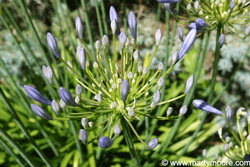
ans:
x=120 y=92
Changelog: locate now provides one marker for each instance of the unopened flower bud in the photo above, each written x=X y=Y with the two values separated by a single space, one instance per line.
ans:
x=84 y=122
x=160 y=82
x=140 y=69
x=70 y=67
x=160 y=66
x=152 y=143
x=200 y=104
x=180 y=33
x=98 y=97
x=220 y=132
x=189 y=83
x=157 y=96
x=81 y=54
x=158 y=37
x=105 y=40
x=97 y=45
x=66 y=96
x=105 y=142
x=36 y=95
x=221 y=40
x=124 y=90
x=114 y=86
x=62 y=103
x=77 y=99
x=95 y=65
x=79 y=26
x=113 y=105
x=83 y=136
x=183 y=110
x=130 y=75
x=114 y=21
x=228 y=113
x=117 y=130
x=55 y=107
x=196 y=5
x=131 y=112
x=40 y=112
x=232 y=5
x=145 y=70
x=47 y=72
x=132 y=23
x=204 y=153
x=78 y=89
x=90 y=124
x=189 y=6
x=122 y=39
x=227 y=139
x=136 y=55
x=53 y=45
x=174 y=57
x=169 y=111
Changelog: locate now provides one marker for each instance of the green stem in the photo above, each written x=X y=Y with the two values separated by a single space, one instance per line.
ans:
x=215 y=69
x=10 y=151
x=129 y=141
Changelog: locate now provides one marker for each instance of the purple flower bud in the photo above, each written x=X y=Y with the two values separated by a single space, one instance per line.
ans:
x=78 y=89
x=201 y=25
x=136 y=55
x=232 y=5
x=79 y=26
x=157 y=96
x=188 y=42
x=81 y=54
x=47 y=72
x=105 y=142
x=53 y=45
x=228 y=113
x=122 y=38
x=183 y=110
x=189 y=83
x=125 y=89
x=132 y=23
x=167 y=1
x=105 y=40
x=200 y=104
x=152 y=143
x=40 y=112
x=180 y=33
x=66 y=96
x=114 y=16
x=247 y=157
x=36 y=95
x=221 y=40
x=55 y=107
x=158 y=37
x=83 y=136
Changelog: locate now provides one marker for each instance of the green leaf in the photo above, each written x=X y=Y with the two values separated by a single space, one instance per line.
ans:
x=67 y=158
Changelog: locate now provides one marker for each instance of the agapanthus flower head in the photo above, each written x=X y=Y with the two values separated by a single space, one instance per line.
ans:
x=53 y=45
x=36 y=95
x=105 y=142
x=117 y=92
x=132 y=23
x=201 y=104
x=40 y=112
x=227 y=13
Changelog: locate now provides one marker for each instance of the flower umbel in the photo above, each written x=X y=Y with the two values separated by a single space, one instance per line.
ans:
x=118 y=91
